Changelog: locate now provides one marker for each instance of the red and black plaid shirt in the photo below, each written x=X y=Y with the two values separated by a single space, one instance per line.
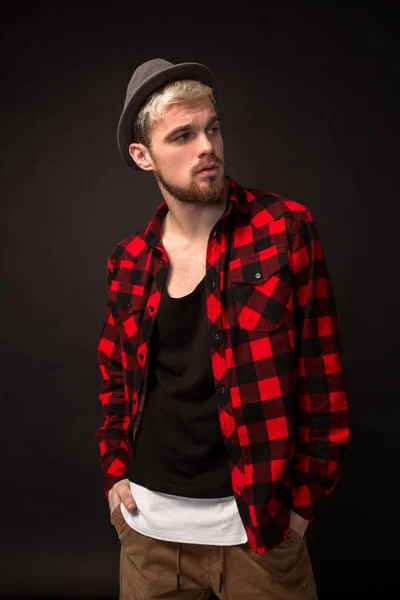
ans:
x=275 y=352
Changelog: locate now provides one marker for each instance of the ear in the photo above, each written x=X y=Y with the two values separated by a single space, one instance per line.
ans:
x=141 y=156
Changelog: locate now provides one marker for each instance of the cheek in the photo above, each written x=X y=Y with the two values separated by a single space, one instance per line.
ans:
x=220 y=147
x=177 y=169
x=180 y=166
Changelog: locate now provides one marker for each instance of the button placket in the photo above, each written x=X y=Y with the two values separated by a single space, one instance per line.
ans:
x=141 y=355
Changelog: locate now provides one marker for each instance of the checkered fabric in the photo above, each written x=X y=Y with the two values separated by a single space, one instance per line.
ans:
x=274 y=347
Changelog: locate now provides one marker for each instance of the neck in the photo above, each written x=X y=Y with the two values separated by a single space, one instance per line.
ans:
x=189 y=223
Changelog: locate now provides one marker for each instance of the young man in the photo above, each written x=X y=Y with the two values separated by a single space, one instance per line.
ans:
x=225 y=406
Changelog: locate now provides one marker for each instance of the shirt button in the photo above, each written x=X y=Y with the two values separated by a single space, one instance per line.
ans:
x=151 y=308
x=215 y=233
x=140 y=356
x=257 y=275
x=217 y=336
x=230 y=443
x=213 y=285
x=162 y=261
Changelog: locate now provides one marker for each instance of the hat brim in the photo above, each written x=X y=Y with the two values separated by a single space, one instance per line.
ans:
x=191 y=70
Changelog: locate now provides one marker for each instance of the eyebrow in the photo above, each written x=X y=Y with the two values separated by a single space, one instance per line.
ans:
x=189 y=127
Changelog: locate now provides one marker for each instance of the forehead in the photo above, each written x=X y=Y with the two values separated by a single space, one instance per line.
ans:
x=184 y=113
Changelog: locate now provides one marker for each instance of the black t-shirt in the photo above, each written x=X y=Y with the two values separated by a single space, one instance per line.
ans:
x=179 y=448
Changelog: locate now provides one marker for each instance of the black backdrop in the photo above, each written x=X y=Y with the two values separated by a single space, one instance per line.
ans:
x=309 y=106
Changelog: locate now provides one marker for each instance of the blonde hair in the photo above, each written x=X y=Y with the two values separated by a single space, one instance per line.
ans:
x=174 y=92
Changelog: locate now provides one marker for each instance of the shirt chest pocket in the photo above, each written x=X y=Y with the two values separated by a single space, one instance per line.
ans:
x=128 y=307
x=262 y=289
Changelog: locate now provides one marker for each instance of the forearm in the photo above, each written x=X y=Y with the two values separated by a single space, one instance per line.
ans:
x=112 y=435
x=322 y=433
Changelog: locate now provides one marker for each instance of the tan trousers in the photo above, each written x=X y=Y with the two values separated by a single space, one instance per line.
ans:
x=149 y=567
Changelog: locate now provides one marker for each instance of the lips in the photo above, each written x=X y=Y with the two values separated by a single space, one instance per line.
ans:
x=207 y=167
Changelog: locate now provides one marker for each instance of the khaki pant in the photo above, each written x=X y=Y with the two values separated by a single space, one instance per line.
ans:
x=148 y=569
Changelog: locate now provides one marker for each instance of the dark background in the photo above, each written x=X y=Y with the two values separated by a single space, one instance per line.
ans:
x=309 y=108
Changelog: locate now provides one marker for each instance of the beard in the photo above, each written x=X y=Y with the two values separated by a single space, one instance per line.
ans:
x=210 y=192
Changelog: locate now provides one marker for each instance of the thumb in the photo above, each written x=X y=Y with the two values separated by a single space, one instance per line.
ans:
x=128 y=500
x=131 y=504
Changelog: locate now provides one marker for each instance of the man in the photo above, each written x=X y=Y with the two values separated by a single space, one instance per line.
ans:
x=225 y=407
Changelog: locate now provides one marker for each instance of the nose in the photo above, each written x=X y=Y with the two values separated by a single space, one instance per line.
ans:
x=205 y=145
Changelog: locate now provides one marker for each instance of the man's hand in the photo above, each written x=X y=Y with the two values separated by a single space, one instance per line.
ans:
x=298 y=523
x=121 y=491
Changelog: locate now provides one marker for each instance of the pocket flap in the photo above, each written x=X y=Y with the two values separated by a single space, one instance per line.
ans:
x=260 y=266
x=127 y=296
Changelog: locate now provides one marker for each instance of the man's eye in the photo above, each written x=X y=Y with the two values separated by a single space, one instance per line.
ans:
x=185 y=136
x=181 y=138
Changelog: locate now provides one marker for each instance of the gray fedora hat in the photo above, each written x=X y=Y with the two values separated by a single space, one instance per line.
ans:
x=147 y=78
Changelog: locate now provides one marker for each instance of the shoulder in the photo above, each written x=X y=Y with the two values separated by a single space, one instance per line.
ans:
x=277 y=205
x=267 y=207
x=129 y=248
